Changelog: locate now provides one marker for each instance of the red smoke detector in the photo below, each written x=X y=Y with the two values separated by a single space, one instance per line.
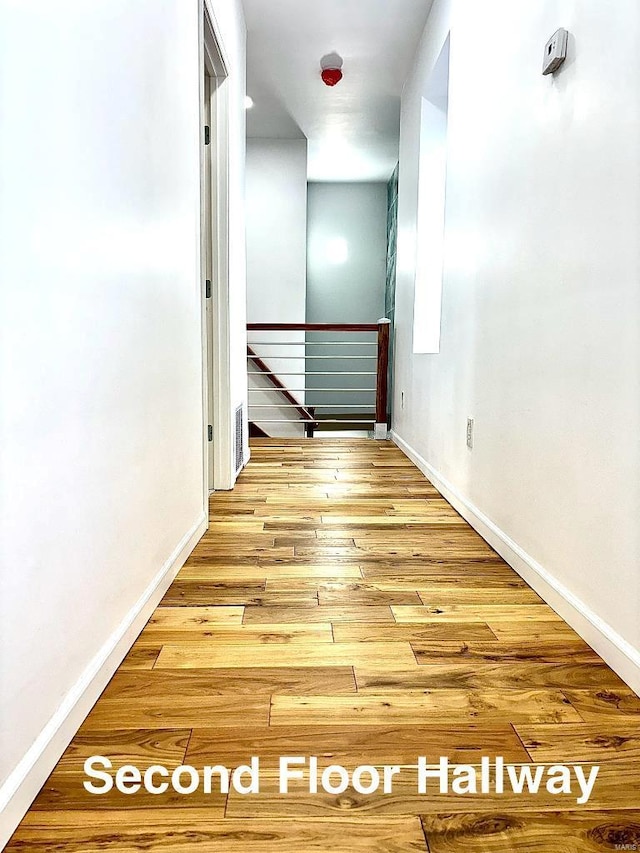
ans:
x=331 y=65
x=331 y=76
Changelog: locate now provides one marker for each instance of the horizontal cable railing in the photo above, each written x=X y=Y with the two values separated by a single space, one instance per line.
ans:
x=269 y=357
x=315 y=343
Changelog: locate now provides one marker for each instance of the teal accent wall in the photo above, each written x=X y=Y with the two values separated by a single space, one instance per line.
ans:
x=390 y=287
x=392 y=245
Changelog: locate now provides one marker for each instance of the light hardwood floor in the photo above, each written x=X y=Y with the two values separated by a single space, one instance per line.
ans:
x=339 y=607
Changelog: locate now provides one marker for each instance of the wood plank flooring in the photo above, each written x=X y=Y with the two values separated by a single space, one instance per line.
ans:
x=339 y=607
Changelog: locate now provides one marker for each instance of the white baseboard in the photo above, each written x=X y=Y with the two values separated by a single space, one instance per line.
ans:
x=24 y=783
x=621 y=656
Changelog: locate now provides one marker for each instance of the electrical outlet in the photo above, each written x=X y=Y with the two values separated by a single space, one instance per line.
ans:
x=555 y=51
x=470 y=432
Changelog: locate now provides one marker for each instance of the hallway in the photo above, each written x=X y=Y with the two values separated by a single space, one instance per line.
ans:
x=339 y=607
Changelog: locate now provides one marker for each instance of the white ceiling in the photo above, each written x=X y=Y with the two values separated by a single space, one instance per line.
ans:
x=352 y=128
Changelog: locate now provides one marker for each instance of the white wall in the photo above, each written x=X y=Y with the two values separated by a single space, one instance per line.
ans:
x=101 y=369
x=276 y=199
x=540 y=333
x=276 y=204
x=347 y=289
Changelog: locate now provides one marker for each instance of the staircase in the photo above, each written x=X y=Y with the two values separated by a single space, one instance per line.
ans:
x=263 y=369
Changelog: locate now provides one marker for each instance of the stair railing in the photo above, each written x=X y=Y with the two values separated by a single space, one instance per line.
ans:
x=353 y=368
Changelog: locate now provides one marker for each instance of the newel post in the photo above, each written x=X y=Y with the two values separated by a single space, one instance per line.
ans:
x=382 y=373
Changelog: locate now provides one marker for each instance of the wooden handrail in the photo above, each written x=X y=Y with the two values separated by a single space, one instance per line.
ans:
x=277 y=383
x=312 y=327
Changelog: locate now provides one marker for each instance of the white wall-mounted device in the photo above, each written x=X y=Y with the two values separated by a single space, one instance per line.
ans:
x=555 y=51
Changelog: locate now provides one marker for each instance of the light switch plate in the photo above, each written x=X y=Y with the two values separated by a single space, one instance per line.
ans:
x=555 y=51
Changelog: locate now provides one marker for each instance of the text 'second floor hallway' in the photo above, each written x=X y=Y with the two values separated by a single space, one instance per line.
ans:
x=339 y=607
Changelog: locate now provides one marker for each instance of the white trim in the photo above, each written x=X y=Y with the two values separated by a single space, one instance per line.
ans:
x=215 y=57
x=223 y=408
x=204 y=250
x=219 y=56
x=23 y=784
x=621 y=656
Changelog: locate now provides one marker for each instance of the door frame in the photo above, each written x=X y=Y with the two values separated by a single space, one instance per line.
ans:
x=216 y=364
